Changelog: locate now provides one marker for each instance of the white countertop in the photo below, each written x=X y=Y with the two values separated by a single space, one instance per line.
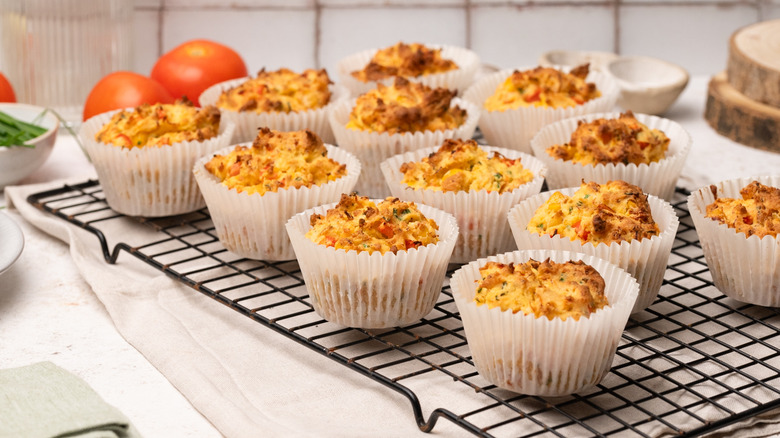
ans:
x=48 y=312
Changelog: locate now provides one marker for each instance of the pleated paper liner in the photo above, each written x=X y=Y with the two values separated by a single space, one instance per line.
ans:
x=514 y=128
x=371 y=148
x=459 y=79
x=253 y=225
x=355 y=289
x=481 y=215
x=149 y=181
x=539 y=356
x=644 y=259
x=744 y=268
x=247 y=122
x=658 y=178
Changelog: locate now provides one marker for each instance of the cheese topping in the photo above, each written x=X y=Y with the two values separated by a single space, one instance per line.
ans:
x=405 y=60
x=612 y=212
x=461 y=165
x=277 y=160
x=357 y=223
x=160 y=125
x=757 y=213
x=281 y=91
x=553 y=290
x=544 y=87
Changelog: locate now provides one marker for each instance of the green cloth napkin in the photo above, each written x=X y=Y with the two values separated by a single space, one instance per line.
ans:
x=44 y=400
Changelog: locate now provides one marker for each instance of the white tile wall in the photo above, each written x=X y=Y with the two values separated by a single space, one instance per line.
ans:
x=346 y=31
x=694 y=36
x=515 y=36
x=507 y=33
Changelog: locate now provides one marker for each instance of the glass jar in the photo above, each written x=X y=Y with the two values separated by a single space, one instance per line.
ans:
x=54 y=52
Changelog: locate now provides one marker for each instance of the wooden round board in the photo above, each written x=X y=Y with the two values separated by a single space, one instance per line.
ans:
x=754 y=62
x=741 y=119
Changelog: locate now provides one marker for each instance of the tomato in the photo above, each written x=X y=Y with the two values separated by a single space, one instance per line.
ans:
x=6 y=90
x=196 y=65
x=124 y=89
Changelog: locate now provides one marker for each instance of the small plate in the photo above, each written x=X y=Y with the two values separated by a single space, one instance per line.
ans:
x=11 y=242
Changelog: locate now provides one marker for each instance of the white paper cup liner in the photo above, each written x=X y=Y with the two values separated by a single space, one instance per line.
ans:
x=644 y=259
x=514 y=129
x=252 y=225
x=744 y=268
x=149 y=181
x=659 y=178
x=355 y=289
x=538 y=356
x=481 y=215
x=247 y=122
x=460 y=79
x=371 y=148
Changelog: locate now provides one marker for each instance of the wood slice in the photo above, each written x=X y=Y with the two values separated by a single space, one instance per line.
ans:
x=754 y=62
x=741 y=119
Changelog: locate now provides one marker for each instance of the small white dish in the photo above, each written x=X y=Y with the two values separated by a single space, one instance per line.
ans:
x=17 y=162
x=11 y=242
x=648 y=85
x=572 y=58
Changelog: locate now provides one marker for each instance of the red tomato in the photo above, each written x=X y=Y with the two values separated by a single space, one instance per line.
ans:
x=6 y=90
x=196 y=65
x=124 y=89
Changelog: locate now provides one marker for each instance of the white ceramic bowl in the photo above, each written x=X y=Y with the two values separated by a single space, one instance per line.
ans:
x=648 y=85
x=572 y=58
x=17 y=162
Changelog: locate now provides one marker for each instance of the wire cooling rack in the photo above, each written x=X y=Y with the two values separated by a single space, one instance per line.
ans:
x=694 y=358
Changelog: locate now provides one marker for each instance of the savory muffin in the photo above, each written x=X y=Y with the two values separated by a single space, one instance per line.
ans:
x=373 y=265
x=276 y=160
x=543 y=87
x=461 y=165
x=757 y=213
x=406 y=107
x=737 y=223
x=160 y=125
x=357 y=223
x=404 y=60
x=562 y=338
x=597 y=213
x=282 y=90
x=554 y=290
x=617 y=140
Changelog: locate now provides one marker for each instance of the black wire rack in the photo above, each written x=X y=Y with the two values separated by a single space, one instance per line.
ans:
x=692 y=363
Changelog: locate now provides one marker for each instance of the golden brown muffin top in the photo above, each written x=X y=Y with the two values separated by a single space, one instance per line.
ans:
x=160 y=125
x=555 y=290
x=405 y=60
x=543 y=87
x=623 y=140
x=611 y=212
x=358 y=223
x=757 y=213
x=461 y=165
x=406 y=107
x=276 y=160
x=281 y=91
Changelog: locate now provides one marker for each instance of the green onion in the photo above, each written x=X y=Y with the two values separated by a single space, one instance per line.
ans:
x=14 y=132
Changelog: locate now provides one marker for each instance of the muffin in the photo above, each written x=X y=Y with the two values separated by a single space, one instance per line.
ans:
x=738 y=222
x=390 y=120
x=556 y=324
x=144 y=155
x=476 y=184
x=646 y=151
x=371 y=263
x=615 y=221
x=433 y=65
x=252 y=190
x=515 y=104
x=282 y=99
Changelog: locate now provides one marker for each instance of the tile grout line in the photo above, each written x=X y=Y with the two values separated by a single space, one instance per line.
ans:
x=616 y=33
x=317 y=33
